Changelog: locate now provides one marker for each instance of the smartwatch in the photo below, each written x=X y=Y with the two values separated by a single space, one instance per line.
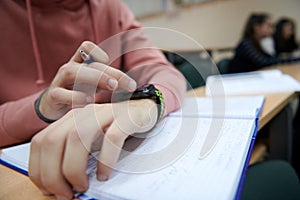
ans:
x=149 y=91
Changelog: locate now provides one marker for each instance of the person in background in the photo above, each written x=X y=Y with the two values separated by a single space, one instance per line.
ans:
x=249 y=54
x=285 y=37
x=41 y=48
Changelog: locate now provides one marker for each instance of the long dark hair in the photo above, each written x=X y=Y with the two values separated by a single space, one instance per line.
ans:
x=283 y=45
x=254 y=19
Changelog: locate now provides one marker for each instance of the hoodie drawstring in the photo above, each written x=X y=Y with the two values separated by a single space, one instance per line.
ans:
x=40 y=76
x=94 y=28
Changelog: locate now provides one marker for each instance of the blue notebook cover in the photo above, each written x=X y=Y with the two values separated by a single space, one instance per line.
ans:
x=243 y=176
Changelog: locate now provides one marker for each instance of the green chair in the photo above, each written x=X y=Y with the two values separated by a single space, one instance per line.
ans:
x=192 y=75
x=271 y=180
x=223 y=65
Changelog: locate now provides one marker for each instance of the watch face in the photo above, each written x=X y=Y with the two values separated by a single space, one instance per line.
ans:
x=145 y=90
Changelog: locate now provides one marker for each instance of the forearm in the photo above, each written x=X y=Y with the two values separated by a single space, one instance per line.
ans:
x=18 y=121
x=172 y=85
x=153 y=68
x=146 y=64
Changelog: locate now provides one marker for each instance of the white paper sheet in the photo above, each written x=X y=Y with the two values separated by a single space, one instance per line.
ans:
x=259 y=82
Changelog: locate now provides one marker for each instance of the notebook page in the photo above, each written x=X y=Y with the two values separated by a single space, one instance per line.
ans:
x=167 y=159
x=250 y=83
x=17 y=155
x=231 y=107
x=184 y=175
x=187 y=177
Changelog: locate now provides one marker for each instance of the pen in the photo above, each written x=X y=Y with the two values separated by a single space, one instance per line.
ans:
x=87 y=58
x=89 y=89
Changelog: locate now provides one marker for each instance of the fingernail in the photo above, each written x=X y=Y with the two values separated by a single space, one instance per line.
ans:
x=102 y=177
x=132 y=85
x=61 y=198
x=112 y=83
x=89 y=99
x=79 y=189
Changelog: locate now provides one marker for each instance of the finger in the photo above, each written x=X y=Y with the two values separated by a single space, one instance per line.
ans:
x=78 y=147
x=112 y=146
x=70 y=97
x=125 y=82
x=97 y=53
x=78 y=73
x=34 y=168
x=51 y=156
x=34 y=165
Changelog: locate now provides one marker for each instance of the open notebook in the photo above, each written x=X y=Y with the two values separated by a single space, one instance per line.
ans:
x=170 y=163
x=273 y=81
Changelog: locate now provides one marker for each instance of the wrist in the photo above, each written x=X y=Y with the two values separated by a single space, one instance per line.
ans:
x=148 y=105
x=150 y=92
x=37 y=107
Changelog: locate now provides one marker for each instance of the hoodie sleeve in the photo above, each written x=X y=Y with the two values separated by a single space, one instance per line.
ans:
x=18 y=121
x=147 y=65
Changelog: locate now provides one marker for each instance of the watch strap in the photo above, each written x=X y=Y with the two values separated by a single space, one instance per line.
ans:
x=149 y=91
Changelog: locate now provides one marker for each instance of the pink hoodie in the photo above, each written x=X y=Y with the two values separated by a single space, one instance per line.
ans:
x=39 y=36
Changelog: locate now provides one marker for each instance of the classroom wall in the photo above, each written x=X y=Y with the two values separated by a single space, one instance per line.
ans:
x=219 y=24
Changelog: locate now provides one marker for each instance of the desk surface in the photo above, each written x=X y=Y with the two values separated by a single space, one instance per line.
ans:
x=14 y=186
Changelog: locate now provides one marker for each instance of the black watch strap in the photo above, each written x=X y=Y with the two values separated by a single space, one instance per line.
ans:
x=149 y=91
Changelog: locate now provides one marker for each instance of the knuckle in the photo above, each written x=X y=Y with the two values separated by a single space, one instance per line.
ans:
x=51 y=183
x=54 y=94
x=114 y=138
x=103 y=77
x=77 y=111
x=72 y=113
x=49 y=141
x=100 y=67
x=74 y=136
x=69 y=172
x=62 y=68
x=67 y=72
x=101 y=108
x=35 y=141
x=72 y=175
x=89 y=107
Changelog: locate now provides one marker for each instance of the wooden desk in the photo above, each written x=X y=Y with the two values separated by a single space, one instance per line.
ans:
x=14 y=186
x=276 y=102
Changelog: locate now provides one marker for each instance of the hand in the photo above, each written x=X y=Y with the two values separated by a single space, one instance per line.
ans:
x=75 y=84
x=59 y=153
